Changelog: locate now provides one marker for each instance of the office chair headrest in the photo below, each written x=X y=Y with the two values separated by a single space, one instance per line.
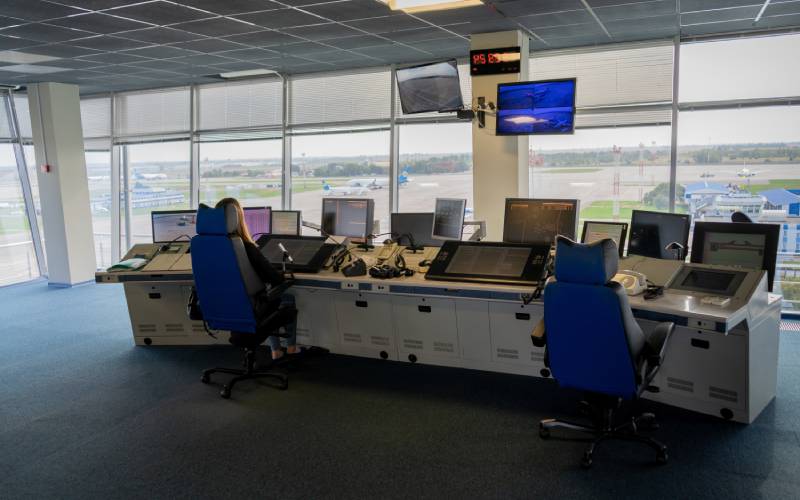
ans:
x=590 y=264
x=740 y=217
x=218 y=221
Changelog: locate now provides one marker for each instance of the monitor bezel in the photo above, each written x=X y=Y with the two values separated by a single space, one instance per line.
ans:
x=153 y=225
x=622 y=238
x=554 y=80
x=685 y=241
x=446 y=110
x=272 y=221
x=463 y=218
x=370 y=218
x=701 y=228
x=577 y=204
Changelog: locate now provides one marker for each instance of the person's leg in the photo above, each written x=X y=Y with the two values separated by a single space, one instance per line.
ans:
x=275 y=346
x=291 y=328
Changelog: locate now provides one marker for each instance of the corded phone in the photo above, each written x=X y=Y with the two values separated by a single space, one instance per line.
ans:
x=633 y=282
x=387 y=251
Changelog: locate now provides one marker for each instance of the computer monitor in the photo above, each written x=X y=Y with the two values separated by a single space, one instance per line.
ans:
x=542 y=107
x=448 y=218
x=429 y=88
x=595 y=231
x=539 y=221
x=737 y=244
x=653 y=232
x=257 y=220
x=416 y=226
x=350 y=217
x=285 y=222
x=173 y=225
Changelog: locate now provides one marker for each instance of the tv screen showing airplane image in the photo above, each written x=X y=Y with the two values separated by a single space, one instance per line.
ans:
x=545 y=107
x=429 y=88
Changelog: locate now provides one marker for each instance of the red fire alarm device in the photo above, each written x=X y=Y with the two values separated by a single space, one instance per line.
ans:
x=45 y=168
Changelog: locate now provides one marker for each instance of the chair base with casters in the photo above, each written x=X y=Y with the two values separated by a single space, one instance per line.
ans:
x=605 y=427
x=250 y=371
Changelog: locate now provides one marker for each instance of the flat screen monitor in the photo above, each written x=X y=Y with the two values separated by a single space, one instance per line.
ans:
x=429 y=88
x=595 y=231
x=448 y=218
x=653 y=232
x=285 y=222
x=737 y=244
x=539 y=221
x=414 y=229
x=543 y=107
x=350 y=217
x=257 y=220
x=302 y=249
x=489 y=262
x=173 y=225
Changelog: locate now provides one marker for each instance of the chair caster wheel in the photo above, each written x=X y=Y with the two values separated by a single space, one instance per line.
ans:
x=205 y=379
x=662 y=456
x=225 y=392
x=544 y=432
x=285 y=385
x=586 y=461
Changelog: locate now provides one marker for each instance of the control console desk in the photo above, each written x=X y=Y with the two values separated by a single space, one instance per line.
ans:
x=721 y=360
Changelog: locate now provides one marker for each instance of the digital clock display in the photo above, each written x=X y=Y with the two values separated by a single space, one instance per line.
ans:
x=494 y=61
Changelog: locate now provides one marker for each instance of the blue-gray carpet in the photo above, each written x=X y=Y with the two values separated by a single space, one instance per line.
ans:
x=85 y=414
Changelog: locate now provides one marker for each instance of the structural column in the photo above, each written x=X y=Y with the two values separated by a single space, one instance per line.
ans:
x=63 y=186
x=500 y=163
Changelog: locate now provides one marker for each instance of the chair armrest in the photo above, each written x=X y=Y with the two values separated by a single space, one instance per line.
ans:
x=656 y=341
x=276 y=291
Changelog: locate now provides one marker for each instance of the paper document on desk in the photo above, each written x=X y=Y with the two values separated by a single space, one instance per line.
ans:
x=128 y=265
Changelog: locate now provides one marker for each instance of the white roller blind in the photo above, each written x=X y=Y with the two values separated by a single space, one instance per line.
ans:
x=340 y=97
x=626 y=74
x=156 y=112
x=5 y=127
x=237 y=105
x=23 y=116
x=96 y=117
x=648 y=116
x=464 y=79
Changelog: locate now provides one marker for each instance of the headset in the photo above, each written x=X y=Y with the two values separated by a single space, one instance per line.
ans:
x=386 y=271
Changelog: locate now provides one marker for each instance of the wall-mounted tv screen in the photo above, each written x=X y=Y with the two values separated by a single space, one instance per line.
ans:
x=429 y=88
x=544 y=107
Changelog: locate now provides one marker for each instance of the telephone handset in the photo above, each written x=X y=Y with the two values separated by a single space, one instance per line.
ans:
x=387 y=252
x=633 y=282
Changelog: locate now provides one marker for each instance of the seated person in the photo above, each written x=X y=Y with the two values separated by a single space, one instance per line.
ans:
x=269 y=276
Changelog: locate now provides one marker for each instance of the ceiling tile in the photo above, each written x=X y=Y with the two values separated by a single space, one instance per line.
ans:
x=227 y=7
x=160 y=12
x=35 y=10
x=338 y=56
x=160 y=35
x=322 y=31
x=44 y=32
x=112 y=58
x=283 y=18
x=209 y=45
x=388 y=24
x=467 y=14
x=71 y=63
x=7 y=43
x=266 y=38
x=218 y=26
x=18 y=57
x=301 y=49
x=238 y=66
x=248 y=54
x=33 y=69
x=106 y=42
x=98 y=23
x=353 y=42
x=61 y=50
x=556 y=19
x=349 y=10
x=390 y=52
x=160 y=52
x=716 y=16
x=782 y=9
x=516 y=8
x=203 y=59
x=636 y=10
x=10 y=21
x=417 y=35
x=99 y=4
x=166 y=65
x=118 y=69
x=695 y=5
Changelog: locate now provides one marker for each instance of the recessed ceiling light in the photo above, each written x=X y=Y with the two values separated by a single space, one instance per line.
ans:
x=16 y=57
x=248 y=72
x=413 y=6
x=33 y=69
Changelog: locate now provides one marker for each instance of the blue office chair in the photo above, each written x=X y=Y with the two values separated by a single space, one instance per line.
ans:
x=231 y=295
x=595 y=345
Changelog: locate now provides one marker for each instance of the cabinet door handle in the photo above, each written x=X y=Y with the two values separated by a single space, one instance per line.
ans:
x=702 y=344
x=361 y=303
x=424 y=309
x=523 y=316
x=154 y=295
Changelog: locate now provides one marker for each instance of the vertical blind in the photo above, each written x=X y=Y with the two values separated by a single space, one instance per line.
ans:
x=340 y=97
x=235 y=105
x=153 y=113
x=96 y=123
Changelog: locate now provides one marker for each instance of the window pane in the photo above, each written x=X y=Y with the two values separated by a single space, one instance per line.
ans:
x=745 y=160
x=739 y=69
x=32 y=166
x=350 y=165
x=610 y=171
x=17 y=255
x=159 y=180
x=435 y=162
x=249 y=171
x=98 y=172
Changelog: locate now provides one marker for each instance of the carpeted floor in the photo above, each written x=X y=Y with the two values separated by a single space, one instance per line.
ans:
x=85 y=414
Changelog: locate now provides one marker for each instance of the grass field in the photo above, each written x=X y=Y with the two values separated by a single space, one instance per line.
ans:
x=776 y=184
x=569 y=170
